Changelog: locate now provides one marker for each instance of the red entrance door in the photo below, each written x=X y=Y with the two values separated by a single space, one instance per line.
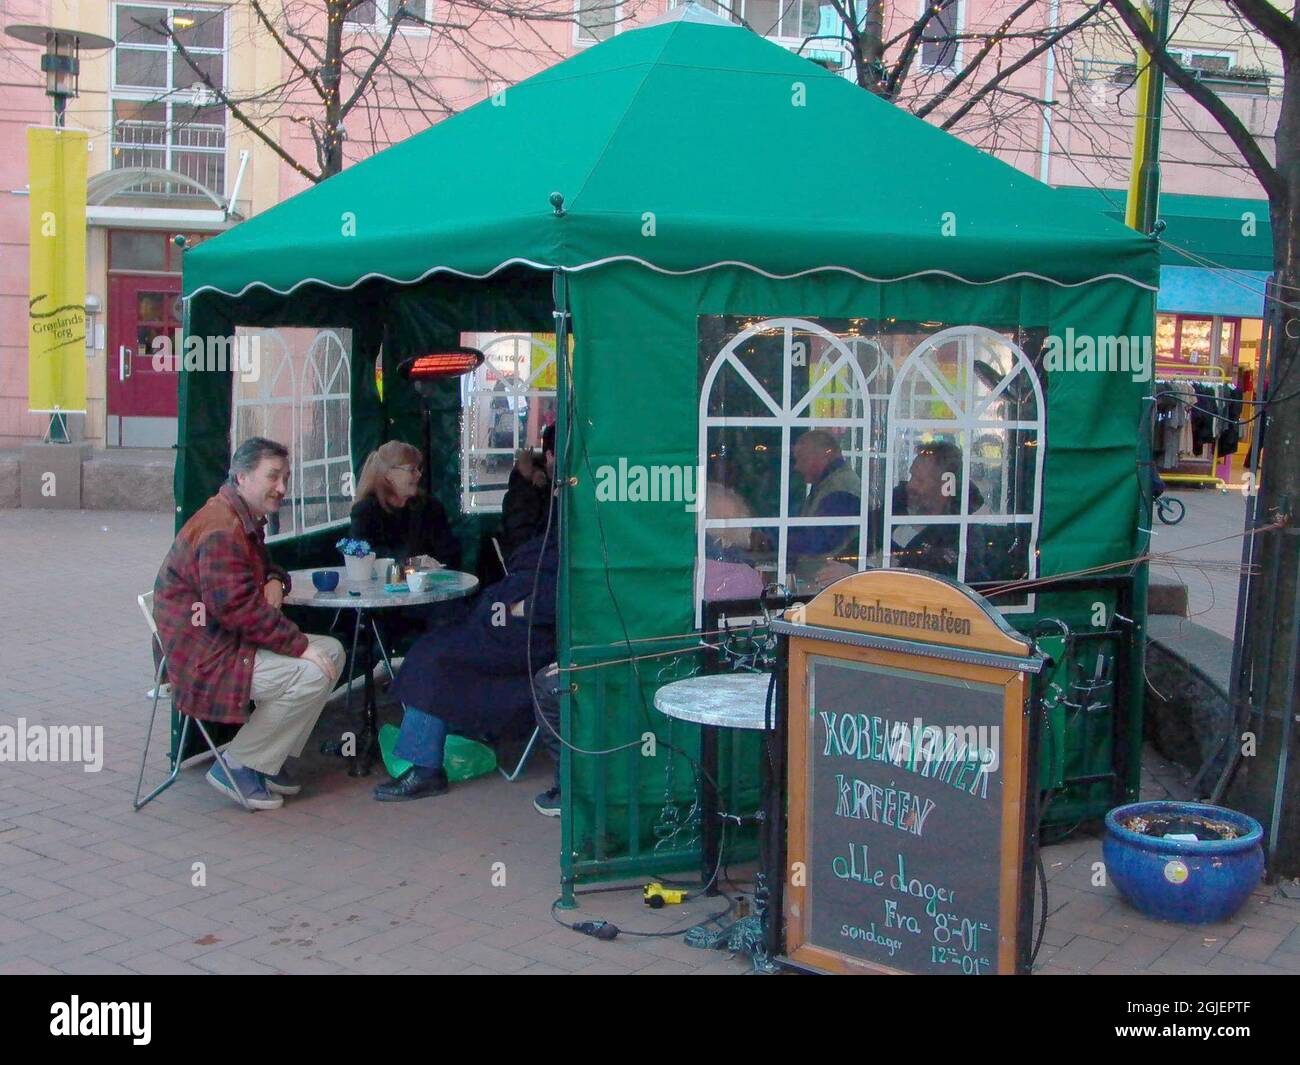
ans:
x=142 y=399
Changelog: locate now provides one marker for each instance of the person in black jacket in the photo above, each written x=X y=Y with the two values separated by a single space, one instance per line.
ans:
x=394 y=516
x=524 y=509
x=475 y=677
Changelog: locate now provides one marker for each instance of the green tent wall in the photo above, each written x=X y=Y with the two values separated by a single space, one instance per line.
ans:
x=792 y=193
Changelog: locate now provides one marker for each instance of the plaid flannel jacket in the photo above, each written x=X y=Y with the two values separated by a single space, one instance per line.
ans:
x=211 y=610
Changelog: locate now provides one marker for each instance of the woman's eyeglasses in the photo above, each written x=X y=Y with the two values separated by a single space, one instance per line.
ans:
x=410 y=469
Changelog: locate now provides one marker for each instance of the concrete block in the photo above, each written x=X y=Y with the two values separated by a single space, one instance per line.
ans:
x=1166 y=595
x=1187 y=702
x=126 y=480
x=50 y=476
x=10 y=491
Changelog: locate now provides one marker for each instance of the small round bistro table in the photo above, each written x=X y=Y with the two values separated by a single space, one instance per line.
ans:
x=366 y=598
x=716 y=701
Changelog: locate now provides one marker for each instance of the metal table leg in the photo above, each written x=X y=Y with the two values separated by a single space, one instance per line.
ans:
x=710 y=829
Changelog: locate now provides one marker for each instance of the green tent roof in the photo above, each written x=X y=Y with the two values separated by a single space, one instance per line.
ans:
x=684 y=145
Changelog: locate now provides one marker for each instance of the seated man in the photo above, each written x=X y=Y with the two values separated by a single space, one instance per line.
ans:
x=836 y=492
x=933 y=487
x=217 y=605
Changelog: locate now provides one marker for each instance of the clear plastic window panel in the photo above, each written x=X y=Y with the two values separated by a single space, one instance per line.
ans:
x=842 y=444
x=505 y=403
x=294 y=386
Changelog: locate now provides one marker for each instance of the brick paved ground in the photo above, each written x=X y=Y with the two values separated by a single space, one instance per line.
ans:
x=335 y=882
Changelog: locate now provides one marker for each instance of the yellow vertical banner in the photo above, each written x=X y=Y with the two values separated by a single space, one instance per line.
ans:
x=56 y=339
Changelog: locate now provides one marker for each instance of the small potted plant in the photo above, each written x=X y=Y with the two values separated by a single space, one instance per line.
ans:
x=358 y=559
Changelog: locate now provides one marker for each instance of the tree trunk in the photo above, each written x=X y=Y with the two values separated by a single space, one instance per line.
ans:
x=870 y=60
x=1274 y=592
x=331 y=146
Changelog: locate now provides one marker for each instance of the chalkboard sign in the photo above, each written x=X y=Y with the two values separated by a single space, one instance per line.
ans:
x=907 y=790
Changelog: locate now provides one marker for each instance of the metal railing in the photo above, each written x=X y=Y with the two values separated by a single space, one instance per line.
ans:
x=197 y=150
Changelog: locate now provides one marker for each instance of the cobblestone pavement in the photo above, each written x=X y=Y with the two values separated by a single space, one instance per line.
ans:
x=335 y=882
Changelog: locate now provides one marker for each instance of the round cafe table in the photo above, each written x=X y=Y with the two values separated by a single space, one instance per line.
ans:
x=365 y=599
x=716 y=701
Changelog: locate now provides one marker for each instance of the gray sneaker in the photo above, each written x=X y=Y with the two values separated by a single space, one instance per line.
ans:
x=548 y=803
x=283 y=783
x=249 y=783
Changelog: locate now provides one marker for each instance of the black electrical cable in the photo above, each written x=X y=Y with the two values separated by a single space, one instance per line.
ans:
x=1042 y=914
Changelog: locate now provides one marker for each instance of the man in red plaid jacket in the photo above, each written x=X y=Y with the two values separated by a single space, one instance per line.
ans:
x=217 y=605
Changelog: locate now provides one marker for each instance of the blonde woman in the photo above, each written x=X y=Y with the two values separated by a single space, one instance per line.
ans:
x=394 y=516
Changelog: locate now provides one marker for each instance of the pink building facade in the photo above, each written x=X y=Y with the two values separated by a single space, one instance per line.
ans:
x=167 y=159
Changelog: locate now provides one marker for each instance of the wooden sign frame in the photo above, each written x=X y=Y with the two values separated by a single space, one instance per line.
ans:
x=858 y=620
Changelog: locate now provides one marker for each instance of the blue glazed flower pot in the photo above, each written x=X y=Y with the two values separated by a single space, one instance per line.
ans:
x=1190 y=881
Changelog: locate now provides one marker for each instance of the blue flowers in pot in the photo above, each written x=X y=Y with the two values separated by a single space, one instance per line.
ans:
x=358 y=559
x=1183 y=861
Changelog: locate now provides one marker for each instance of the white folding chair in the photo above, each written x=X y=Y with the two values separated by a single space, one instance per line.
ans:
x=523 y=758
x=146 y=608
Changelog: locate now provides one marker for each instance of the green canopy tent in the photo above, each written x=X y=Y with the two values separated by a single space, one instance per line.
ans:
x=731 y=245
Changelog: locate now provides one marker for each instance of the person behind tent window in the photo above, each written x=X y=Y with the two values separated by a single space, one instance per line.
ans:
x=394 y=516
x=524 y=509
x=835 y=491
x=933 y=488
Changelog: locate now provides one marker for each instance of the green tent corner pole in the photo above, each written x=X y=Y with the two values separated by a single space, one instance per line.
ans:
x=563 y=429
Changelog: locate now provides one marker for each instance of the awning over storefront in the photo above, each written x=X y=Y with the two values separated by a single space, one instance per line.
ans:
x=1228 y=293
x=1215 y=251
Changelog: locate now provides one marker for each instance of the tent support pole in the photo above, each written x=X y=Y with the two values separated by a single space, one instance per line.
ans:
x=563 y=446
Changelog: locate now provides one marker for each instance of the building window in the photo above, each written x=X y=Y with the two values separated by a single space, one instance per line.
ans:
x=377 y=14
x=507 y=402
x=595 y=20
x=830 y=446
x=294 y=386
x=938 y=50
x=1207 y=62
x=164 y=114
x=787 y=20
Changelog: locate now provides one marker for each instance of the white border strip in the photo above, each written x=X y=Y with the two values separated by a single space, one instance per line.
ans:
x=662 y=270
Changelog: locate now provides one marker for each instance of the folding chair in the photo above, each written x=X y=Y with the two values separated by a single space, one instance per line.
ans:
x=523 y=758
x=146 y=608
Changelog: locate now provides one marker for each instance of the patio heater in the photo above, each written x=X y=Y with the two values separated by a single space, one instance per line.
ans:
x=424 y=372
x=61 y=65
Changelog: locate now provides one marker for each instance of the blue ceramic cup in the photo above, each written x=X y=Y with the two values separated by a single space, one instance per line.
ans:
x=326 y=580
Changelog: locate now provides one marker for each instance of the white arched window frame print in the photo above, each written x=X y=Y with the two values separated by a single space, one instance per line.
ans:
x=301 y=397
x=985 y=375
x=793 y=409
x=518 y=392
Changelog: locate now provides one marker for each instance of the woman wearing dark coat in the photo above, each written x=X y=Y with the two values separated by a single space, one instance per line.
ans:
x=399 y=521
x=475 y=678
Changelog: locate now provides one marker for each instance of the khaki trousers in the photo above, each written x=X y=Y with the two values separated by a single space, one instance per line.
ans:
x=290 y=694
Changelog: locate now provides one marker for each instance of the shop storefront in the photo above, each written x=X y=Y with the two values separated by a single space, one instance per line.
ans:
x=1215 y=259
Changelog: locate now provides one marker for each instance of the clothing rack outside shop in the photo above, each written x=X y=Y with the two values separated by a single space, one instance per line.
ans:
x=1198 y=413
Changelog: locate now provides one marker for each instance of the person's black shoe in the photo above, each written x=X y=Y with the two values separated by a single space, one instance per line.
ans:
x=548 y=803
x=412 y=785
